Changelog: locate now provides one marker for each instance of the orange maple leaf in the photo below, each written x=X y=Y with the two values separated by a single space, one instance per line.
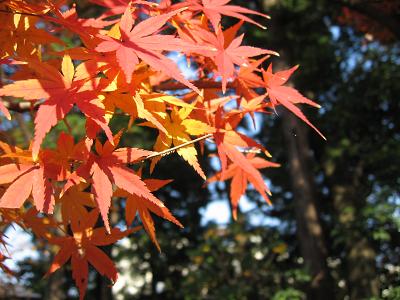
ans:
x=142 y=206
x=241 y=178
x=61 y=92
x=82 y=248
x=25 y=177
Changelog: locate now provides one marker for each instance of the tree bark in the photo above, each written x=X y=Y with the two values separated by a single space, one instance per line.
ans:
x=309 y=229
x=103 y=286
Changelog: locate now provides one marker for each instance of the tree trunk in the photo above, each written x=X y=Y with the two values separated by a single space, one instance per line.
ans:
x=360 y=258
x=309 y=229
x=103 y=285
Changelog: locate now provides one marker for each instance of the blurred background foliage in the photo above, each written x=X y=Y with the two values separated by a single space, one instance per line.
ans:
x=334 y=229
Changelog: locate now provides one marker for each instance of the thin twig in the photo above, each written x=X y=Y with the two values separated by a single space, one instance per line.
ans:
x=173 y=149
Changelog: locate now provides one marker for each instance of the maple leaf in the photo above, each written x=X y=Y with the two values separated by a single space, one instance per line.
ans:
x=225 y=151
x=61 y=92
x=247 y=80
x=257 y=104
x=213 y=9
x=117 y=94
x=241 y=178
x=140 y=42
x=207 y=105
x=229 y=51
x=40 y=224
x=19 y=35
x=150 y=107
x=179 y=128
x=82 y=248
x=142 y=206
x=165 y=99
x=74 y=202
x=32 y=8
x=285 y=95
x=71 y=16
x=108 y=167
x=58 y=161
x=227 y=139
x=146 y=114
x=225 y=125
x=26 y=178
x=116 y=7
x=86 y=29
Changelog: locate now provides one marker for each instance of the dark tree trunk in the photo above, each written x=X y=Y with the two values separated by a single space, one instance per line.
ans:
x=309 y=229
x=103 y=285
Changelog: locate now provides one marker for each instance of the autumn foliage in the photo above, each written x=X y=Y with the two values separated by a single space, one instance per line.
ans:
x=121 y=65
x=378 y=20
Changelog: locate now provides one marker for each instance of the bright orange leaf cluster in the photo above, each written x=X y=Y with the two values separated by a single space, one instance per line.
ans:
x=121 y=66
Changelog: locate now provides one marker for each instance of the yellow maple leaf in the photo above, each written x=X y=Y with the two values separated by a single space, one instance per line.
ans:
x=179 y=128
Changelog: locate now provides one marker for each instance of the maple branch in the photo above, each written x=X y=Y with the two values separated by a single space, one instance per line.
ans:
x=20 y=106
x=21 y=13
x=173 y=149
x=169 y=85
x=201 y=84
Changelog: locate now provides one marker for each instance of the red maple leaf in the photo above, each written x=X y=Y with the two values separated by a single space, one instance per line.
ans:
x=285 y=95
x=229 y=51
x=247 y=80
x=108 y=167
x=141 y=42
